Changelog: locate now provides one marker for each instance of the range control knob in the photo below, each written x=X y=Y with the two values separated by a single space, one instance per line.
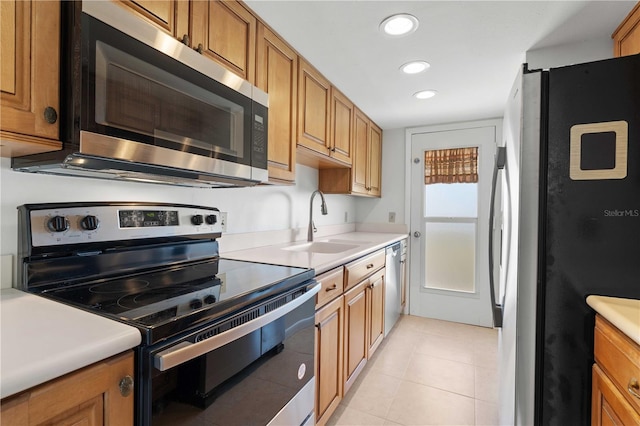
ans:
x=211 y=219
x=210 y=299
x=197 y=219
x=58 y=224
x=90 y=223
x=195 y=304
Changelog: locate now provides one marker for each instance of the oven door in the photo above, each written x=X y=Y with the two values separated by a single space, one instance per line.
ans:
x=147 y=98
x=253 y=368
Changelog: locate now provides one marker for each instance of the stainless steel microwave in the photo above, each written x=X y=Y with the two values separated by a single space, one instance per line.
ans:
x=139 y=105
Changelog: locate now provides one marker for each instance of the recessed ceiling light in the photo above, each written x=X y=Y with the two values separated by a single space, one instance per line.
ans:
x=415 y=67
x=400 y=24
x=425 y=94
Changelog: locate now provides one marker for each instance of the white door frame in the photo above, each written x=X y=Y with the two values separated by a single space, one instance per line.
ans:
x=409 y=132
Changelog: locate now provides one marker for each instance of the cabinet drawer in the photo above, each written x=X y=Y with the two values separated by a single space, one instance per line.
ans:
x=332 y=284
x=619 y=357
x=359 y=269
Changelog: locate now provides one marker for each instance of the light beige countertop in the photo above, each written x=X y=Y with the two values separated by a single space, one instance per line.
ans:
x=41 y=339
x=338 y=250
x=622 y=313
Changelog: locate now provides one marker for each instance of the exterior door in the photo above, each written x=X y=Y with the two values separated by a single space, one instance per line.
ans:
x=450 y=225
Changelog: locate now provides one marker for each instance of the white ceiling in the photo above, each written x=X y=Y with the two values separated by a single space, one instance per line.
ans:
x=475 y=49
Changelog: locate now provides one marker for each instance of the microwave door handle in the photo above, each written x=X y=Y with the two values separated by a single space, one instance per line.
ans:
x=496 y=309
x=186 y=351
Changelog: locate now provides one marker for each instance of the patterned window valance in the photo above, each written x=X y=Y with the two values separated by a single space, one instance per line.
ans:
x=459 y=165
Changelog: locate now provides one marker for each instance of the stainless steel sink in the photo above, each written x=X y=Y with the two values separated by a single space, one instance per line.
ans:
x=322 y=247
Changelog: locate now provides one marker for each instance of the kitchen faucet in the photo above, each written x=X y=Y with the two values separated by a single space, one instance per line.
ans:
x=323 y=208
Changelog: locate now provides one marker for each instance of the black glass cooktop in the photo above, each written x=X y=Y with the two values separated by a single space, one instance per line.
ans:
x=175 y=298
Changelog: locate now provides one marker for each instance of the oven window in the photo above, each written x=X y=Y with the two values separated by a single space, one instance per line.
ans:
x=246 y=382
x=135 y=96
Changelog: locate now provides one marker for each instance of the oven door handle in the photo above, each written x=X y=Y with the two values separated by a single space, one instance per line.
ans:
x=186 y=351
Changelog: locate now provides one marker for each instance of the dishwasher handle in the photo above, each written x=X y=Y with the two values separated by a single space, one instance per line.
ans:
x=186 y=351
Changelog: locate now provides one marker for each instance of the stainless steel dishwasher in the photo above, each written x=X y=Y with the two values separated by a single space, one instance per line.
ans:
x=393 y=295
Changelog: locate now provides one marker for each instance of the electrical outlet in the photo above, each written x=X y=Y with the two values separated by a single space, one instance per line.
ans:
x=392 y=217
x=223 y=221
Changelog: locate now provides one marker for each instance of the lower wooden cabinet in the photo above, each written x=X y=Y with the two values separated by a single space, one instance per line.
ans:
x=615 y=396
x=364 y=324
x=355 y=333
x=349 y=327
x=608 y=405
x=100 y=394
x=376 y=312
x=329 y=351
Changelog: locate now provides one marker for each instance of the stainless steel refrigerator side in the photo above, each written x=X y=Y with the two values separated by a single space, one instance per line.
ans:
x=517 y=341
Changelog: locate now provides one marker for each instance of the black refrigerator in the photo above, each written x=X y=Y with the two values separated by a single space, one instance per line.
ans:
x=570 y=228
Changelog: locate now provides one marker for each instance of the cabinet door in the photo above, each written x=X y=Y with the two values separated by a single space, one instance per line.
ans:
x=226 y=32
x=626 y=38
x=277 y=74
x=360 y=153
x=171 y=16
x=374 y=170
x=342 y=112
x=329 y=341
x=87 y=396
x=29 y=78
x=355 y=333
x=313 y=109
x=608 y=406
x=375 y=296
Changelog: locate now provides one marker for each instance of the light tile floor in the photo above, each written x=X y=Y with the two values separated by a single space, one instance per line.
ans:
x=427 y=372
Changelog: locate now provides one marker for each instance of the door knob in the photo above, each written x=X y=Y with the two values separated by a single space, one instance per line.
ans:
x=417 y=234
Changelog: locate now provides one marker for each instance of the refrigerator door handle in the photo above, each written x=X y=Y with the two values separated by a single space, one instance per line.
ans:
x=496 y=308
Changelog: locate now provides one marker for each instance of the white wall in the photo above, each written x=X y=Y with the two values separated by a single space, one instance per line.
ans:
x=569 y=54
x=375 y=211
x=257 y=209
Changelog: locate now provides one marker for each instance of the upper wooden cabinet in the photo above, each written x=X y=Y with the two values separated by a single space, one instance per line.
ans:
x=341 y=127
x=314 y=100
x=171 y=16
x=626 y=38
x=374 y=163
x=29 y=77
x=365 y=175
x=277 y=74
x=225 y=31
x=325 y=121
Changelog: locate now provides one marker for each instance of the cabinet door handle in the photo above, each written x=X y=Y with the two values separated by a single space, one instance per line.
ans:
x=50 y=115
x=126 y=385
x=369 y=266
x=634 y=387
x=200 y=48
x=333 y=287
x=185 y=40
